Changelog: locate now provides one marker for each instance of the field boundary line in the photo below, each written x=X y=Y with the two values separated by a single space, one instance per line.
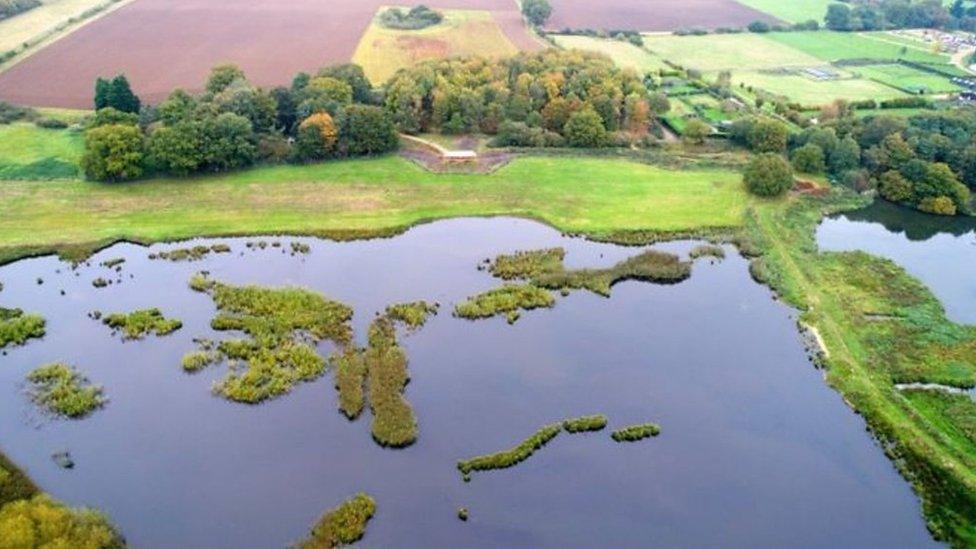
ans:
x=59 y=34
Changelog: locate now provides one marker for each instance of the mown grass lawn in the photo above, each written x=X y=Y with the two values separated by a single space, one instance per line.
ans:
x=30 y=152
x=369 y=196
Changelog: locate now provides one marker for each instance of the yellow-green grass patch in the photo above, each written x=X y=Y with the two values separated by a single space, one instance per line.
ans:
x=716 y=52
x=383 y=51
x=624 y=54
x=791 y=11
x=809 y=91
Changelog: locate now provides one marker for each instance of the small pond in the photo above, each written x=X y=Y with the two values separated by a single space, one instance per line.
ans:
x=755 y=449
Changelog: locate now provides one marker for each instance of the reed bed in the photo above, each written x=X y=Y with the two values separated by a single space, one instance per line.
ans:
x=636 y=432
x=513 y=456
x=62 y=391
x=341 y=525
x=138 y=324
x=509 y=300
x=16 y=327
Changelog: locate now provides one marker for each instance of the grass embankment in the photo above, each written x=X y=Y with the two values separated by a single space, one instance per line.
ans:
x=882 y=327
x=365 y=197
x=62 y=391
x=138 y=324
x=278 y=323
x=342 y=525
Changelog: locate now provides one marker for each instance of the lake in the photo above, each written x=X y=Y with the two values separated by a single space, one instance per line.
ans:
x=755 y=449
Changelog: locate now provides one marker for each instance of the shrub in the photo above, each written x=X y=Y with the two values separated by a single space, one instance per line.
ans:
x=416 y=18
x=317 y=137
x=809 y=159
x=636 y=432
x=50 y=124
x=62 y=391
x=696 y=131
x=894 y=187
x=110 y=115
x=768 y=135
x=42 y=522
x=113 y=152
x=758 y=27
x=536 y=11
x=939 y=205
x=768 y=175
x=367 y=130
x=341 y=525
x=585 y=129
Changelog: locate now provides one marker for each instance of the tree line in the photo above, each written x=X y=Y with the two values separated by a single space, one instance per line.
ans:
x=927 y=161
x=234 y=124
x=865 y=15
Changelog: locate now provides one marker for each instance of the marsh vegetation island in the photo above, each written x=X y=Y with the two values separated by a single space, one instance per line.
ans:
x=258 y=217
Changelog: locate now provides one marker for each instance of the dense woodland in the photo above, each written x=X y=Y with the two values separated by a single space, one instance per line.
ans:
x=551 y=98
x=927 y=161
x=900 y=14
x=234 y=125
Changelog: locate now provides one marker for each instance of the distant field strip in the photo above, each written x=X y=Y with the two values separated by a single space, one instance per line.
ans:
x=833 y=46
x=791 y=11
x=717 y=52
x=624 y=54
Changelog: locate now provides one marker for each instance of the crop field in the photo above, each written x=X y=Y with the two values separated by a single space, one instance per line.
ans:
x=29 y=152
x=164 y=44
x=652 y=16
x=383 y=51
x=795 y=11
x=624 y=54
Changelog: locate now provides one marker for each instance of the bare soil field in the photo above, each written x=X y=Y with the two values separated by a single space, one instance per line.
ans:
x=652 y=15
x=164 y=44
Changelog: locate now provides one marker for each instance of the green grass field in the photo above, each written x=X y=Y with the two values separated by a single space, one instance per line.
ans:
x=717 y=52
x=907 y=78
x=368 y=196
x=833 y=46
x=808 y=91
x=29 y=152
x=792 y=11
x=624 y=54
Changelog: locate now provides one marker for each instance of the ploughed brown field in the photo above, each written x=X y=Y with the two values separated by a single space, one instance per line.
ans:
x=165 y=44
x=652 y=15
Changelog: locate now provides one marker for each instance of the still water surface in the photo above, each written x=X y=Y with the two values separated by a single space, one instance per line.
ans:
x=756 y=450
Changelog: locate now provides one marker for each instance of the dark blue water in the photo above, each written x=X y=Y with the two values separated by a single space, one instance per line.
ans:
x=756 y=450
x=940 y=251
